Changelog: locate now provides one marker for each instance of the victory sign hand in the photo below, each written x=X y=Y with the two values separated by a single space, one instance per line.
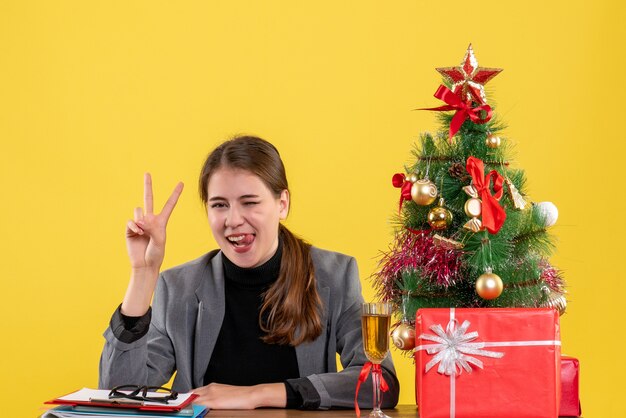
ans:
x=145 y=234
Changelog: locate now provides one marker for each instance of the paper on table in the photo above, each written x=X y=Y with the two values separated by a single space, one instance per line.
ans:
x=86 y=395
x=197 y=411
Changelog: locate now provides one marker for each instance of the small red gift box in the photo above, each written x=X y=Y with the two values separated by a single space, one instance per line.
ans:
x=570 y=401
x=488 y=363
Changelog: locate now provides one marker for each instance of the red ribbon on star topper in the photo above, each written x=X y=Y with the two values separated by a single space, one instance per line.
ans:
x=464 y=110
x=399 y=181
x=493 y=215
x=365 y=371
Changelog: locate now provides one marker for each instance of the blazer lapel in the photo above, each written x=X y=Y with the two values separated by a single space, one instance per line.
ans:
x=313 y=356
x=210 y=296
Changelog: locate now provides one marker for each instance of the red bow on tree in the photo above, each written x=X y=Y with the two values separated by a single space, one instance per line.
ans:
x=493 y=215
x=464 y=110
x=399 y=181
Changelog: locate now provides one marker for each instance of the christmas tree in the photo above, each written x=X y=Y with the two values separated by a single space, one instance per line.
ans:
x=467 y=235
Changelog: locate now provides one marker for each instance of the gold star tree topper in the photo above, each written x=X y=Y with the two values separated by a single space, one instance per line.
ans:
x=468 y=79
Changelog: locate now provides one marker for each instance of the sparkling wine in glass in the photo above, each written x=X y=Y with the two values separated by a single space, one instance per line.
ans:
x=375 y=322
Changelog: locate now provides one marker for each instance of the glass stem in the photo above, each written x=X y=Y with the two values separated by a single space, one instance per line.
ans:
x=376 y=389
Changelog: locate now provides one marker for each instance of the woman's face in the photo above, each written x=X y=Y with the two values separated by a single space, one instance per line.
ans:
x=244 y=215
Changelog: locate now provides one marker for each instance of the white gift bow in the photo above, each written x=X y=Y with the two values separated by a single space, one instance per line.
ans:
x=455 y=349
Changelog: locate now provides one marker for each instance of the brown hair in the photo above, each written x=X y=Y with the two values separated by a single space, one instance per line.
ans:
x=291 y=305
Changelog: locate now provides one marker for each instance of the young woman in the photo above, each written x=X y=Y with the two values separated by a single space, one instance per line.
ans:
x=256 y=323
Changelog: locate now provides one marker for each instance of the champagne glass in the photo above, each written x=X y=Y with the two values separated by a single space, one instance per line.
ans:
x=375 y=321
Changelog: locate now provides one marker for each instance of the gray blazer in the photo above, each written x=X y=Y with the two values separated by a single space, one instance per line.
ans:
x=187 y=314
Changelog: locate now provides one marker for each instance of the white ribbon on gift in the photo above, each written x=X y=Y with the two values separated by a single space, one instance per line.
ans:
x=455 y=350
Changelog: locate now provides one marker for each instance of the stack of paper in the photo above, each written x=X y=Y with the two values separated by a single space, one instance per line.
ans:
x=193 y=411
x=95 y=403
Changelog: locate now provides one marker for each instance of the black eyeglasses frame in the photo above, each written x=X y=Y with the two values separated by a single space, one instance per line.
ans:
x=140 y=393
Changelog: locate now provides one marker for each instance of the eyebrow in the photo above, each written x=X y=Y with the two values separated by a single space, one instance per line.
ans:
x=245 y=196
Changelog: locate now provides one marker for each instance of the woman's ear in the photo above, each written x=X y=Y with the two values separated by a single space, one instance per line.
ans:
x=284 y=204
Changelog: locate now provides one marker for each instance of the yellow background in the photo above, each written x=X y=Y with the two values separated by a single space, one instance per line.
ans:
x=93 y=94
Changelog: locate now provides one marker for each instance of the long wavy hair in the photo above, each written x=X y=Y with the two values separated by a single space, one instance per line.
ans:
x=291 y=309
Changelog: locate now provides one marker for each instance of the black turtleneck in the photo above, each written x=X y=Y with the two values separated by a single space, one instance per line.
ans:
x=240 y=356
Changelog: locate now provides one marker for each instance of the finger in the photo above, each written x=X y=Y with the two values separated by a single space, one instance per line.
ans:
x=138 y=214
x=204 y=396
x=147 y=193
x=171 y=202
x=198 y=391
x=200 y=400
x=134 y=228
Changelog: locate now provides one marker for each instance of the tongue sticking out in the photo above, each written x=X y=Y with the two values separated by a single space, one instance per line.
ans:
x=247 y=239
x=244 y=244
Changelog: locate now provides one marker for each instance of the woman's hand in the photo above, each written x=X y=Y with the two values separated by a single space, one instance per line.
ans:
x=145 y=241
x=145 y=234
x=219 y=396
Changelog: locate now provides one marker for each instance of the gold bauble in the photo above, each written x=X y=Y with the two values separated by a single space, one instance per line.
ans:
x=439 y=217
x=493 y=141
x=559 y=303
x=473 y=207
x=554 y=299
x=403 y=336
x=489 y=285
x=412 y=177
x=424 y=192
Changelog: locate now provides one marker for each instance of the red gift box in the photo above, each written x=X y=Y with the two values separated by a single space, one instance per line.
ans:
x=488 y=363
x=570 y=401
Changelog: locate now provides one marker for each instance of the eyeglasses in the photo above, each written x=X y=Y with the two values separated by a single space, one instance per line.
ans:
x=140 y=393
